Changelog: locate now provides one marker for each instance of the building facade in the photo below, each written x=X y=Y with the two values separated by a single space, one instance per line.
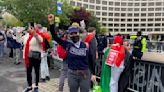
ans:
x=127 y=16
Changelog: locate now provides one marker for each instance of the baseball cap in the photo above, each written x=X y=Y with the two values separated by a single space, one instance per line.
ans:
x=73 y=29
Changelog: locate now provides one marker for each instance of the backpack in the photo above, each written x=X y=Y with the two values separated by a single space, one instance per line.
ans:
x=137 y=44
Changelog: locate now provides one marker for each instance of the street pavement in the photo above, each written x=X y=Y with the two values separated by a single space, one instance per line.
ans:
x=13 y=77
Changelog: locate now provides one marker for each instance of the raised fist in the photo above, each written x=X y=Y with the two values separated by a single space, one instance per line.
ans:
x=51 y=18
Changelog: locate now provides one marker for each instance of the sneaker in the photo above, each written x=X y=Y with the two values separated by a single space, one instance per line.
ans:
x=48 y=78
x=27 y=90
x=36 y=89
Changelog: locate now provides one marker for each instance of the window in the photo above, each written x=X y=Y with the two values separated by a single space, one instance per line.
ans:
x=136 y=14
x=143 y=4
x=136 y=19
x=122 y=25
x=97 y=13
x=123 y=4
x=157 y=29
x=136 y=9
x=116 y=25
x=116 y=19
x=142 y=29
x=129 y=25
x=104 y=13
x=104 y=2
x=110 y=14
x=110 y=9
x=149 y=29
x=110 y=30
x=117 y=9
x=162 y=24
x=123 y=9
x=110 y=25
x=143 y=9
x=136 y=25
x=158 y=9
x=92 y=7
x=150 y=9
x=162 y=19
x=158 y=24
x=116 y=30
x=130 y=4
x=143 y=25
x=92 y=1
x=149 y=25
x=137 y=4
x=150 y=14
x=85 y=0
x=123 y=14
x=117 y=3
x=143 y=19
x=97 y=7
x=104 y=8
x=103 y=24
x=158 y=14
x=143 y=14
x=135 y=30
x=158 y=3
x=130 y=14
x=110 y=3
x=97 y=1
x=130 y=9
x=122 y=30
x=117 y=14
x=150 y=19
x=122 y=19
x=79 y=4
x=129 y=30
x=85 y=6
x=103 y=19
x=129 y=20
x=151 y=4
x=158 y=19
x=72 y=3
x=110 y=19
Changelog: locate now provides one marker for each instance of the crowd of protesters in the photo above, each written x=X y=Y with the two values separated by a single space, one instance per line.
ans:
x=78 y=48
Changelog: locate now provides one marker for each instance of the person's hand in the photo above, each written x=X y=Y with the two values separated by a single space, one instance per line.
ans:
x=51 y=18
x=93 y=78
x=33 y=31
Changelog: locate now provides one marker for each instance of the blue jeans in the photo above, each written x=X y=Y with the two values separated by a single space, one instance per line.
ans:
x=1 y=49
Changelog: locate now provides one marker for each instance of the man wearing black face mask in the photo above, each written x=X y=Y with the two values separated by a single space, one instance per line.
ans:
x=77 y=58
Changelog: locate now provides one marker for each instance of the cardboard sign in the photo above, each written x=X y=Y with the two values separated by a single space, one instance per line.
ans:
x=111 y=58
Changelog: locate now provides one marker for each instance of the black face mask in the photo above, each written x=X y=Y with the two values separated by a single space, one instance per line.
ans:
x=75 y=39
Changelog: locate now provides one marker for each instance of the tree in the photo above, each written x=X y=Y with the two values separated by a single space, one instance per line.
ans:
x=93 y=22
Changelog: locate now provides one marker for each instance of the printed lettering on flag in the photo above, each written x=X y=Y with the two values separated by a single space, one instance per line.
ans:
x=111 y=58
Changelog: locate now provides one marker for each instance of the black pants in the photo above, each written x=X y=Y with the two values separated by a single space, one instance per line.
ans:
x=36 y=64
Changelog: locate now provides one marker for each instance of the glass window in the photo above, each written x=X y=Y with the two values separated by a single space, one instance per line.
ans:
x=117 y=9
x=97 y=7
x=143 y=4
x=149 y=25
x=117 y=3
x=111 y=25
x=103 y=19
x=151 y=4
x=130 y=9
x=150 y=9
x=149 y=29
x=142 y=29
x=110 y=3
x=116 y=30
x=117 y=14
x=158 y=3
x=136 y=9
x=110 y=8
x=158 y=19
x=157 y=29
x=110 y=30
x=143 y=9
x=116 y=25
x=143 y=19
x=116 y=19
x=122 y=30
x=143 y=14
x=136 y=25
x=72 y=3
x=79 y=4
x=104 y=8
x=129 y=30
x=122 y=25
x=103 y=24
x=136 y=14
x=92 y=1
x=123 y=4
x=97 y=1
x=110 y=14
x=162 y=24
x=143 y=25
x=150 y=14
x=123 y=9
x=130 y=14
x=104 y=13
x=92 y=7
x=129 y=19
x=85 y=6
x=136 y=19
x=162 y=19
x=97 y=13
x=123 y=14
x=129 y=25
x=110 y=19
x=158 y=14
x=150 y=19
x=137 y=4
x=85 y=0
x=158 y=9
x=135 y=30
x=122 y=19
x=158 y=24
x=104 y=2
x=130 y=4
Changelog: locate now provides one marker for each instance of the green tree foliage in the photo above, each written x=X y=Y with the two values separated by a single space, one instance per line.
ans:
x=93 y=22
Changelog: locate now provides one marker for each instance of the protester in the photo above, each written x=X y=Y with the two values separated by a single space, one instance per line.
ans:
x=113 y=65
x=139 y=45
x=2 y=43
x=33 y=46
x=77 y=58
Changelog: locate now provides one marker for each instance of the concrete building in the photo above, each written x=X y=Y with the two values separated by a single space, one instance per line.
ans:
x=127 y=16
